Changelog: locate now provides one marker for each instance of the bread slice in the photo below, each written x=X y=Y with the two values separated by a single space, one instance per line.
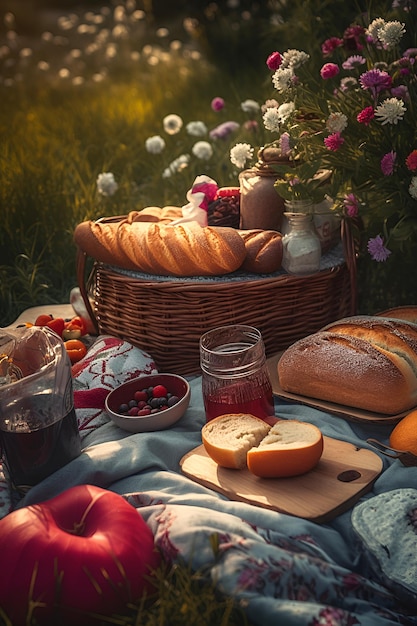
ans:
x=290 y=448
x=228 y=438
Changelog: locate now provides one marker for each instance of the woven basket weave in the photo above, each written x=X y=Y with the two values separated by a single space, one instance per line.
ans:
x=167 y=317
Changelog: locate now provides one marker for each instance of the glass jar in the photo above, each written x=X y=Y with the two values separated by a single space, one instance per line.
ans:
x=301 y=247
x=235 y=376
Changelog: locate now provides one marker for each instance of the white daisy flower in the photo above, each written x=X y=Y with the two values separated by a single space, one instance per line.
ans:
x=374 y=28
x=250 y=106
x=106 y=184
x=413 y=188
x=336 y=122
x=294 y=58
x=240 y=153
x=285 y=110
x=391 y=33
x=202 y=150
x=155 y=144
x=390 y=111
x=281 y=79
x=177 y=165
x=272 y=119
x=196 y=129
x=172 y=124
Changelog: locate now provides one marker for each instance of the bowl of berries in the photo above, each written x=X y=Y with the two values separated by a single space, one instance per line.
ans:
x=149 y=403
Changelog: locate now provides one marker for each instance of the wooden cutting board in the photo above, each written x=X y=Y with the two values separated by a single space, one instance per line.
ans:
x=342 y=475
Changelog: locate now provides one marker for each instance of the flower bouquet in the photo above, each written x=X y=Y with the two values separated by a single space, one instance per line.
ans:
x=355 y=116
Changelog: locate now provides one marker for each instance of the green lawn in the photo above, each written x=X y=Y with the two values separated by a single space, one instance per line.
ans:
x=82 y=97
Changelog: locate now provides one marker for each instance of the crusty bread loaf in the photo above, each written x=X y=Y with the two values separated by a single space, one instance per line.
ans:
x=162 y=249
x=228 y=438
x=288 y=448
x=263 y=251
x=407 y=313
x=368 y=362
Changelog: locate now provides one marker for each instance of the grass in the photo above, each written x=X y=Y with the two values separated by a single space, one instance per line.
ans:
x=78 y=100
x=182 y=596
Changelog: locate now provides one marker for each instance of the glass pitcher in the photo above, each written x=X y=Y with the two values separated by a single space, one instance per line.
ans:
x=38 y=426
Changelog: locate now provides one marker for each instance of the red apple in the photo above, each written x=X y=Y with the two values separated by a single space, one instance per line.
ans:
x=85 y=551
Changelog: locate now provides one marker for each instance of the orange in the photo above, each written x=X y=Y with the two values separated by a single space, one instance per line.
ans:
x=404 y=435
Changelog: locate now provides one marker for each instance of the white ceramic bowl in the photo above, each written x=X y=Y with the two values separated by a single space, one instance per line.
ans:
x=175 y=384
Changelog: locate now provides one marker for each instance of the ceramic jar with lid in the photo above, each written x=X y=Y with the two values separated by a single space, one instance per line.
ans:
x=260 y=204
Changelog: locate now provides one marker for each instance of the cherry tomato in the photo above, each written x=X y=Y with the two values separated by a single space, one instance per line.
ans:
x=71 y=333
x=57 y=324
x=76 y=350
x=54 y=323
x=77 y=322
x=42 y=320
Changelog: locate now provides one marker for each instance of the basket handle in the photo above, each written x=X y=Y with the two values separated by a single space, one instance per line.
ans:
x=81 y=262
x=349 y=248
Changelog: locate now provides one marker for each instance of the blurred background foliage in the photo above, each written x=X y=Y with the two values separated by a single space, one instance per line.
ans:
x=83 y=84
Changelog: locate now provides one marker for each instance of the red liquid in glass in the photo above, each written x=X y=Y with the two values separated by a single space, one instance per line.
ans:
x=32 y=456
x=238 y=399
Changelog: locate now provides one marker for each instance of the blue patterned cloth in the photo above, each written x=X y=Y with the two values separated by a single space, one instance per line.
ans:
x=282 y=569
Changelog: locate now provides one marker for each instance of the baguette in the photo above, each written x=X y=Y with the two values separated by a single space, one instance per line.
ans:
x=162 y=249
x=367 y=362
x=263 y=251
x=288 y=448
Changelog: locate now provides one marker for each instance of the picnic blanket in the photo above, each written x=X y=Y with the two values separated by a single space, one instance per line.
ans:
x=283 y=569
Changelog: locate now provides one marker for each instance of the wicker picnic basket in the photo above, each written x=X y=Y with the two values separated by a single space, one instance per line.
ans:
x=166 y=316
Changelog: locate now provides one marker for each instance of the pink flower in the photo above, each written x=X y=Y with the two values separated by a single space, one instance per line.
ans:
x=352 y=37
x=388 y=162
x=284 y=144
x=329 y=70
x=223 y=130
x=274 y=61
x=217 y=104
x=375 y=80
x=401 y=91
x=334 y=141
x=411 y=161
x=351 y=205
x=377 y=250
x=330 y=45
x=366 y=115
x=251 y=126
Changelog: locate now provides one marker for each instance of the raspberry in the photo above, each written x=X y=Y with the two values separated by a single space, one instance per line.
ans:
x=159 y=391
x=140 y=395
